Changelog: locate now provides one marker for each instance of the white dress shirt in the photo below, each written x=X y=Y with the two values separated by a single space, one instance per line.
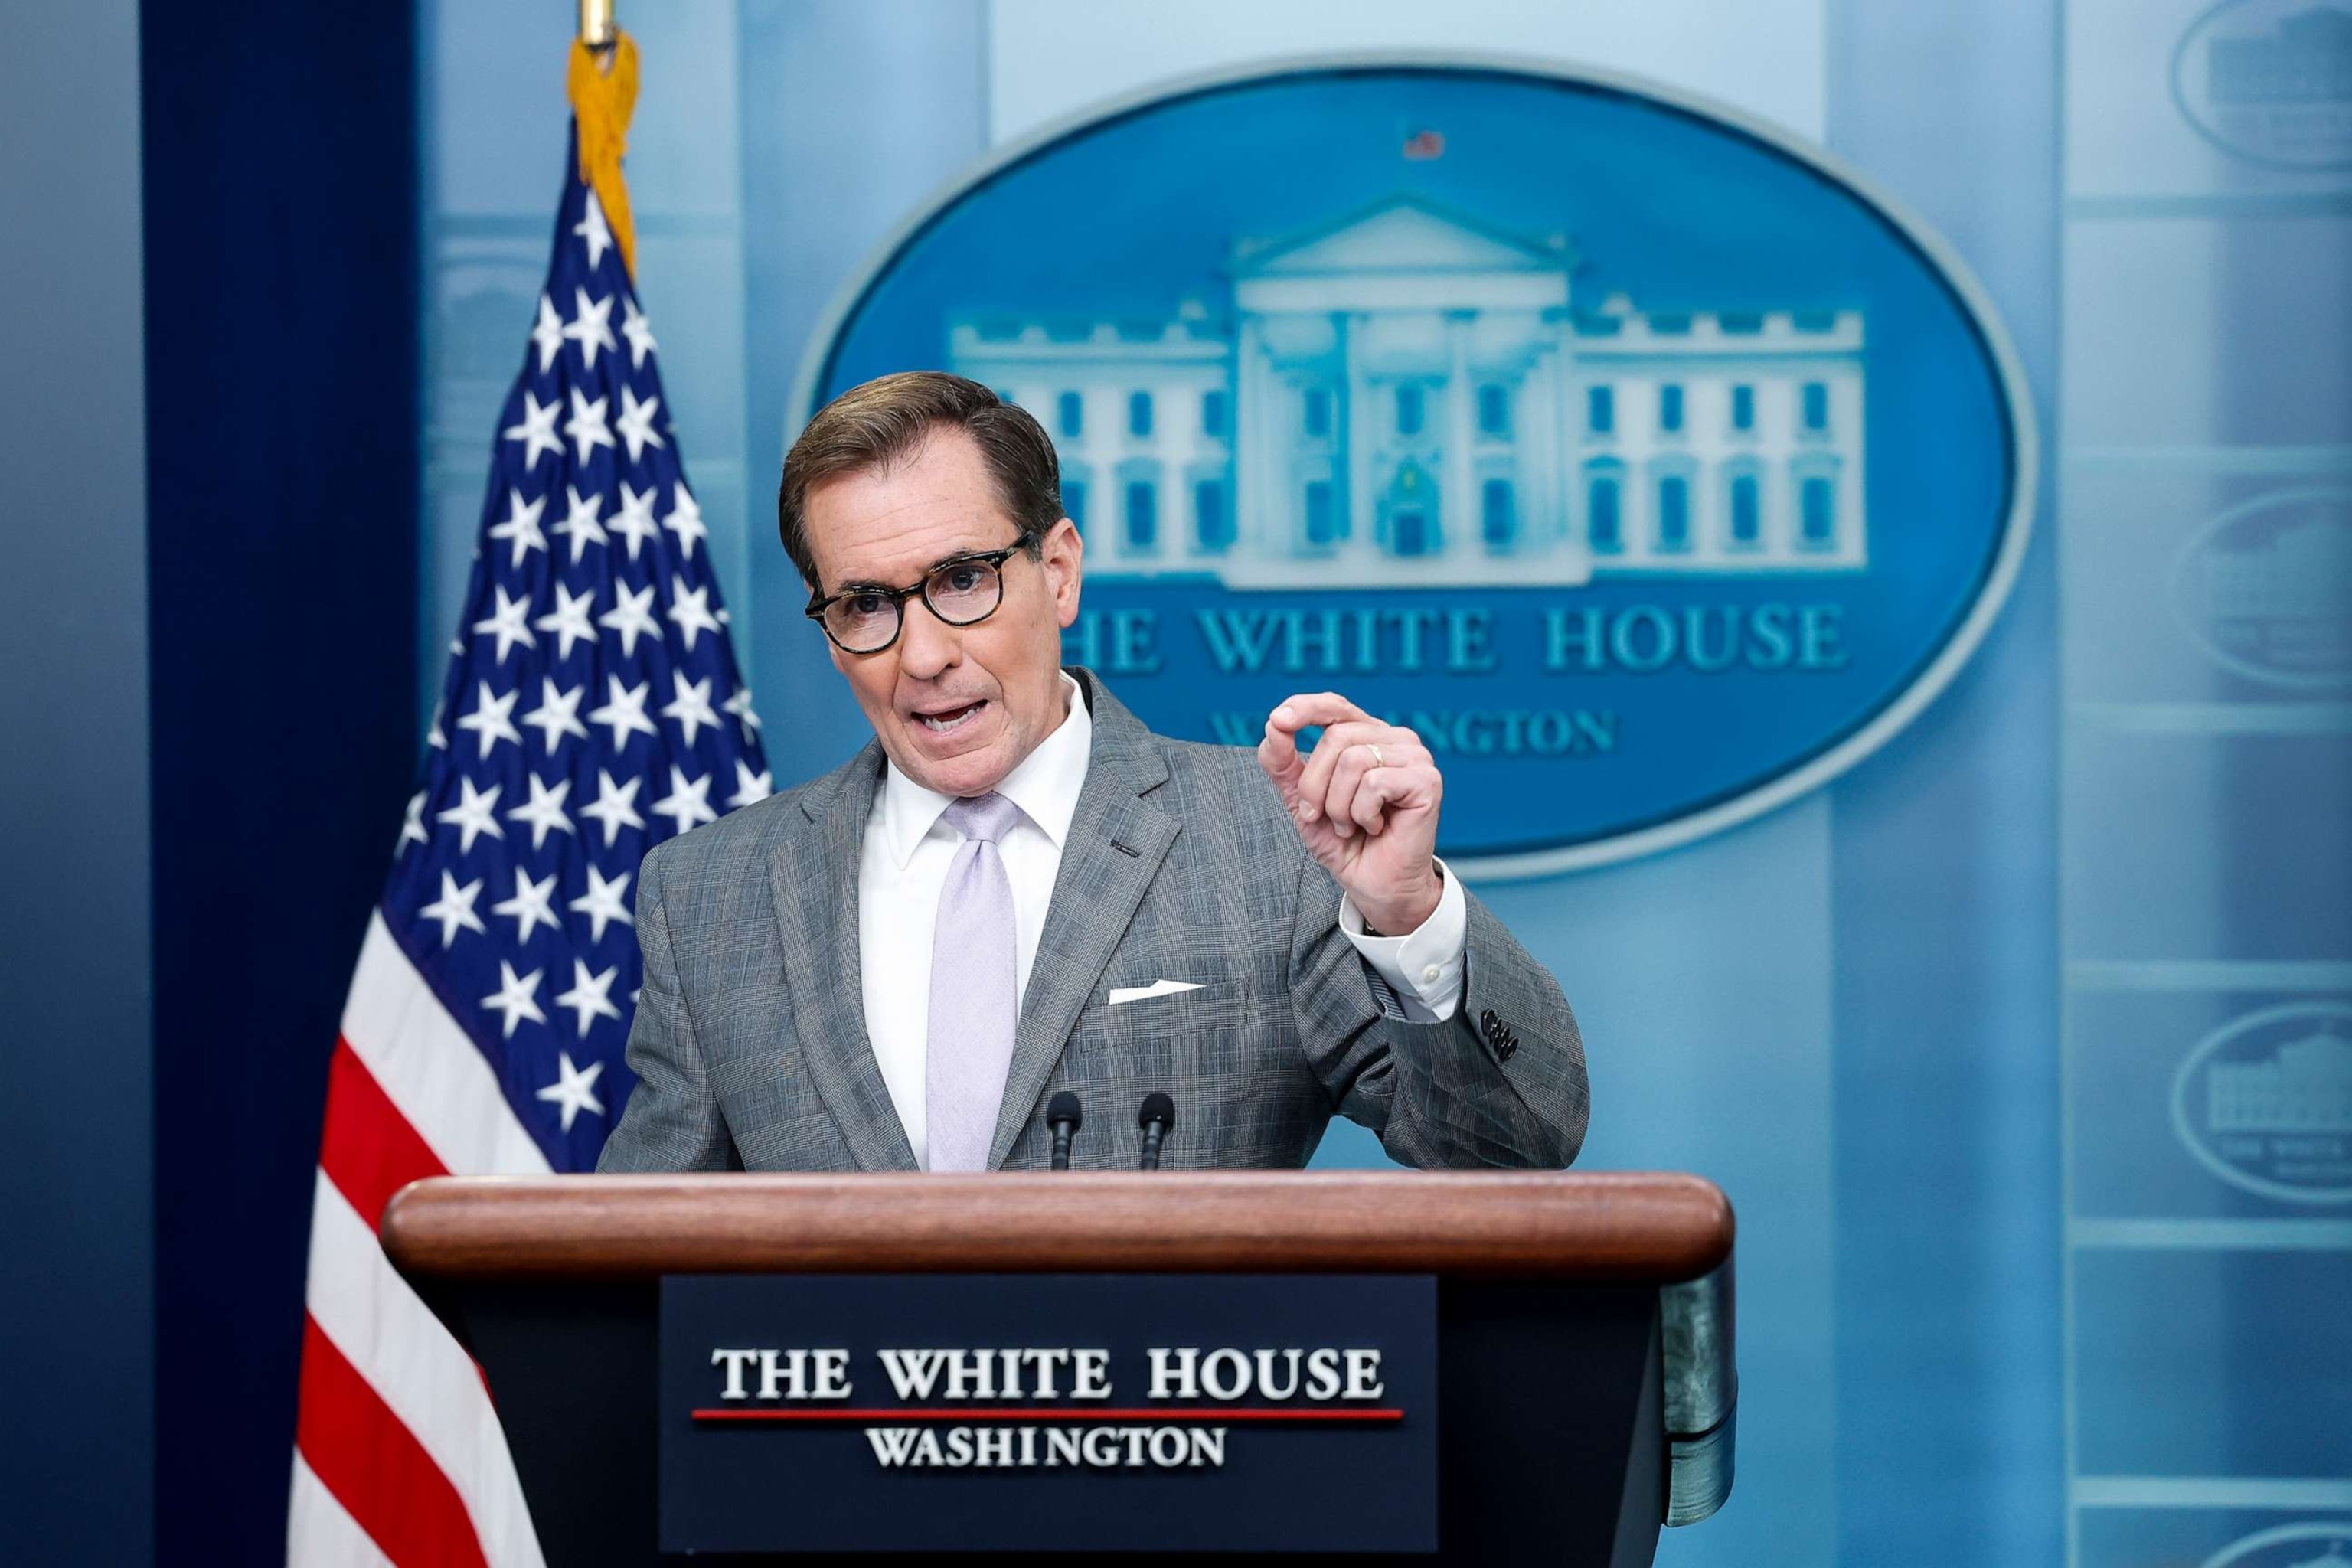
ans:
x=903 y=864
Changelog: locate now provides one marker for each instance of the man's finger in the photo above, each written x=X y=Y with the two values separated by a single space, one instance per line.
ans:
x=1277 y=753
x=1295 y=713
x=1382 y=791
x=1355 y=760
x=1338 y=741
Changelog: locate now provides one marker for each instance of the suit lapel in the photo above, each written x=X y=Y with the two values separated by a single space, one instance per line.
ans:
x=812 y=879
x=1116 y=843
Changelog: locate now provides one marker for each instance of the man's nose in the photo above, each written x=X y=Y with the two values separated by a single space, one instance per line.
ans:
x=927 y=645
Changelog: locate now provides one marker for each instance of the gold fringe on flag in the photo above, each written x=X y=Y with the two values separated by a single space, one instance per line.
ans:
x=603 y=96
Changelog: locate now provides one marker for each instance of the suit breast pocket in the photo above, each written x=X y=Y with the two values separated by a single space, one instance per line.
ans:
x=1217 y=1031
x=1226 y=1054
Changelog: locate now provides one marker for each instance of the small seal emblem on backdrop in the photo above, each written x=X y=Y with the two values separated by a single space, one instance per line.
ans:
x=2270 y=81
x=2265 y=1102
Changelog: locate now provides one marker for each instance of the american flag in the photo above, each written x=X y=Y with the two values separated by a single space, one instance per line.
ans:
x=592 y=708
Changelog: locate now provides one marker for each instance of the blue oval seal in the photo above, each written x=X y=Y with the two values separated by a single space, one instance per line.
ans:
x=2267 y=81
x=2265 y=1102
x=2266 y=588
x=1648 y=462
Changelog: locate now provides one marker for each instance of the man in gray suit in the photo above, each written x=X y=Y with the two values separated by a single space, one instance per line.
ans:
x=1017 y=889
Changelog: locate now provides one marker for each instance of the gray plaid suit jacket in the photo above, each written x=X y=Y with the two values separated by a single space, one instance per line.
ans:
x=749 y=1043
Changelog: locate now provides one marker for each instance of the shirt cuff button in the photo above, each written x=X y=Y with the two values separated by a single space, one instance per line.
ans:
x=1429 y=973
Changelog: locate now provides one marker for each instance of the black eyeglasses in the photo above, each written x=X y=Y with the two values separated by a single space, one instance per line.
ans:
x=963 y=592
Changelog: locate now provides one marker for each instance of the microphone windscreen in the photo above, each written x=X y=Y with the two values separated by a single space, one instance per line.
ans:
x=1063 y=1107
x=1157 y=1108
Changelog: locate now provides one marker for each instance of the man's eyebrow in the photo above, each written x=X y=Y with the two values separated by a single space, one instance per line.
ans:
x=854 y=584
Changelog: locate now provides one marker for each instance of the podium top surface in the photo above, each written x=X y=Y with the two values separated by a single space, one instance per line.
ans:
x=1604 y=1228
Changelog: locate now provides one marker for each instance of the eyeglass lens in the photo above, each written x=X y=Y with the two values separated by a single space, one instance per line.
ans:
x=959 y=592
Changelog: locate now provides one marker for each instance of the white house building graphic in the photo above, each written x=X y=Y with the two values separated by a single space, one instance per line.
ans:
x=1406 y=397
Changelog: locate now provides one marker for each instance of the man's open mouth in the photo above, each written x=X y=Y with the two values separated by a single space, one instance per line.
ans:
x=940 y=721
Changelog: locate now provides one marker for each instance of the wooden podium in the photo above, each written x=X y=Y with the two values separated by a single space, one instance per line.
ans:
x=1586 y=1385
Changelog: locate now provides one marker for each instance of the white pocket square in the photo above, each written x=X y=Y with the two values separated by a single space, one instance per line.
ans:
x=1119 y=994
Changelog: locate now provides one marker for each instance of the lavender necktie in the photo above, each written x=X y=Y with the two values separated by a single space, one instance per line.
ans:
x=975 y=991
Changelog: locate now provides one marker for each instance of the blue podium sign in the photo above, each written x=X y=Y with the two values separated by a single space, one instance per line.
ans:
x=1643 y=459
x=1105 y=1413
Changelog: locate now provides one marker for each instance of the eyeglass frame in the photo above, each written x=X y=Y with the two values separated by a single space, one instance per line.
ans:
x=993 y=560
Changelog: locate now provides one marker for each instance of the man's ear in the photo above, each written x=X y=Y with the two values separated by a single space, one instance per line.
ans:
x=1061 y=555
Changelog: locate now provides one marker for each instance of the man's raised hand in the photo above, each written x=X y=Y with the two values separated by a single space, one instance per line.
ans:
x=1365 y=801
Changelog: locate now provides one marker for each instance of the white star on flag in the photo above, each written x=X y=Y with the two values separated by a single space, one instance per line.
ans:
x=544 y=811
x=586 y=426
x=590 y=995
x=636 y=423
x=750 y=788
x=557 y=715
x=685 y=519
x=575 y=1089
x=632 y=616
x=521 y=526
x=591 y=327
x=614 y=806
x=515 y=997
x=532 y=904
x=508 y=624
x=454 y=908
x=537 y=431
x=568 y=620
x=593 y=229
x=547 y=336
x=411 y=822
x=624 y=711
x=690 y=608
x=635 y=521
x=692 y=708
x=601 y=902
x=489 y=720
x=638 y=334
x=688 y=802
x=740 y=705
x=476 y=814
x=581 y=522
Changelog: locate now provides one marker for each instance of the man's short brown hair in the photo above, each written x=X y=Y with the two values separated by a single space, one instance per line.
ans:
x=886 y=420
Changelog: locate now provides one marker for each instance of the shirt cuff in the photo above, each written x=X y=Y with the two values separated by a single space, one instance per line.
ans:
x=1424 y=968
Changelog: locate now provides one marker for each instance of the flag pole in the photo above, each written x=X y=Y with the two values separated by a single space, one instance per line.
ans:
x=597 y=27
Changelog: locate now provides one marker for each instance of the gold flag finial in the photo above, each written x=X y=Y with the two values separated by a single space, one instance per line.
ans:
x=603 y=95
x=597 y=24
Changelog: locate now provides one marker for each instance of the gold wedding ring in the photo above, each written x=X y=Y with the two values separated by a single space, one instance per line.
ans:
x=1378 y=761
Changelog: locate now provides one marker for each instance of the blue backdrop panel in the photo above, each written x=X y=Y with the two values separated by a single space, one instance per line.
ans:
x=282 y=377
x=1950 y=1421
x=77 y=1280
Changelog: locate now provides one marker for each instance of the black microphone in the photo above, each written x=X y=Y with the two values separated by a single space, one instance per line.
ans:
x=1061 y=1116
x=1159 y=1114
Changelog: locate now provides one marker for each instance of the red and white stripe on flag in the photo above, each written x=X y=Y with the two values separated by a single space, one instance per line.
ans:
x=399 y=1457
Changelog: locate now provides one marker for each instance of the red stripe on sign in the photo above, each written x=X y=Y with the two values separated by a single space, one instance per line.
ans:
x=1019 y=1413
x=368 y=1150
x=374 y=1466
